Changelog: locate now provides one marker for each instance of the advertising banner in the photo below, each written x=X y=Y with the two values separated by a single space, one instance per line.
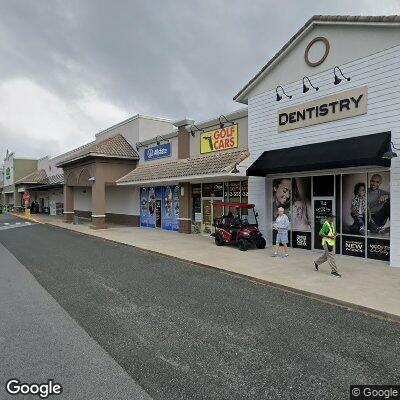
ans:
x=353 y=246
x=170 y=213
x=301 y=204
x=301 y=240
x=219 y=139
x=354 y=204
x=378 y=199
x=156 y=152
x=378 y=249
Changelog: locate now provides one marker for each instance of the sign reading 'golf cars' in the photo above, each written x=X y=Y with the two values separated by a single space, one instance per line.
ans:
x=219 y=139
x=338 y=106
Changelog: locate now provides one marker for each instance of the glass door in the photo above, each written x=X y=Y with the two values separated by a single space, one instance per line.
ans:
x=322 y=207
x=210 y=212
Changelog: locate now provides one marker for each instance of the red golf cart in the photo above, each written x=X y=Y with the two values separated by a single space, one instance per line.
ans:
x=239 y=227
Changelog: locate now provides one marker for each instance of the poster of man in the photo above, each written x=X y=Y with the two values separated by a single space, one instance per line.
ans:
x=281 y=196
x=378 y=195
x=301 y=204
x=354 y=204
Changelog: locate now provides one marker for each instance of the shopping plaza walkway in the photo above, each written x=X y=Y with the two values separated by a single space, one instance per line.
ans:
x=367 y=285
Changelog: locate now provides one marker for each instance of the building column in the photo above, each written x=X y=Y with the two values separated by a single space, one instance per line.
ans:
x=185 y=220
x=98 y=206
x=68 y=203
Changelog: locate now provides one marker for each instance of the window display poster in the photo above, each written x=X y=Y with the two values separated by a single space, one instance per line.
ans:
x=281 y=194
x=378 y=207
x=353 y=246
x=301 y=240
x=378 y=249
x=170 y=213
x=301 y=205
x=354 y=204
x=148 y=198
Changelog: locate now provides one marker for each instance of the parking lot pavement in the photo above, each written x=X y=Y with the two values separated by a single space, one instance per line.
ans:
x=186 y=332
x=40 y=341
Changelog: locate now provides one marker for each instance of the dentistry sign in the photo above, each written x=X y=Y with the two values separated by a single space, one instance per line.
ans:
x=219 y=139
x=156 y=152
x=331 y=108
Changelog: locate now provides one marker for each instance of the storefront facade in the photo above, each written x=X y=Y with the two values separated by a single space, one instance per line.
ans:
x=322 y=115
x=183 y=174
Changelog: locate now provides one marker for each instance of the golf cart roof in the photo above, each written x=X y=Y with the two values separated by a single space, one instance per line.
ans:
x=234 y=205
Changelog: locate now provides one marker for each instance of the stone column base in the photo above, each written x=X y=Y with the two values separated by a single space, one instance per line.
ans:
x=98 y=222
x=185 y=226
x=68 y=217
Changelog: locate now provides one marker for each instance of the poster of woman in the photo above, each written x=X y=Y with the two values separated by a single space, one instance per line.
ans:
x=301 y=204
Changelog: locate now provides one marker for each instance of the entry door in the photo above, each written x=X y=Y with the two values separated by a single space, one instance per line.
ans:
x=158 y=213
x=210 y=212
x=322 y=207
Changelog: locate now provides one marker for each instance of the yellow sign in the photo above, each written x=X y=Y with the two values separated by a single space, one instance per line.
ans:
x=219 y=139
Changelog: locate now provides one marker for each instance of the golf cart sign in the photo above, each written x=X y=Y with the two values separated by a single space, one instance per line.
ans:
x=219 y=139
x=156 y=152
x=341 y=105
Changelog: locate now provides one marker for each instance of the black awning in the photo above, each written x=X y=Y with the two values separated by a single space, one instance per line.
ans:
x=344 y=153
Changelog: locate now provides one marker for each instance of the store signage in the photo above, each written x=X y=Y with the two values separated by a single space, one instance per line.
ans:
x=302 y=240
x=219 y=139
x=378 y=249
x=338 y=106
x=8 y=173
x=156 y=152
x=353 y=246
x=322 y=209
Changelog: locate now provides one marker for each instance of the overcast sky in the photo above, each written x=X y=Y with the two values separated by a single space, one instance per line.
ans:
x=72 y=68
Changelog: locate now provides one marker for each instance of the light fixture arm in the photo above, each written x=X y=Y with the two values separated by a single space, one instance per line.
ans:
x=341 y=73
x=314 y=87
x=283 y=91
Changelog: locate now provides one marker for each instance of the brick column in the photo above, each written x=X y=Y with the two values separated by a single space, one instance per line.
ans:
x=68 y=203
x=185 y=217
x=98 y=205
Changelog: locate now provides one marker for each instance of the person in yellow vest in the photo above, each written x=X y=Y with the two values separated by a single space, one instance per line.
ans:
x=328 y=235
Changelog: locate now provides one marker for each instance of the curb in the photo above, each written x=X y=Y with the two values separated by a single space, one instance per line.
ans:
x=26 y=219
x=314 y=296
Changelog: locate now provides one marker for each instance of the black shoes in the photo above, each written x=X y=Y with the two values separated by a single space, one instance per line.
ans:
x=316 y=266
x=334 y=273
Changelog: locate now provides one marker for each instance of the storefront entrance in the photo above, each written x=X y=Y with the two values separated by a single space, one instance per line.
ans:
x=210 y=212
x=360 y=201
x=322 y=207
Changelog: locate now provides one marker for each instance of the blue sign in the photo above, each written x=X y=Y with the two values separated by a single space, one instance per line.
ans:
x=156 y=152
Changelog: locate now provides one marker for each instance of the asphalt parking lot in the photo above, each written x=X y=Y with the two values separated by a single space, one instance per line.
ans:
x=186 y=332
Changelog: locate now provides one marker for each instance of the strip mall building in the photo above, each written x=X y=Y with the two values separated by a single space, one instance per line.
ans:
x=322 y=115
x=315 y=138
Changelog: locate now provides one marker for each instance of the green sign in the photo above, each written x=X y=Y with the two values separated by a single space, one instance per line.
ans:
x=8 y=174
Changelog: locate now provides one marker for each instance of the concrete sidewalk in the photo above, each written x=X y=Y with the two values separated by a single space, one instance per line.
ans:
x=367 y=285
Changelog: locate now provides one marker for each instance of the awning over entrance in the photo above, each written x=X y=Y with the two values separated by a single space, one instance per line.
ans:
x=345 y=153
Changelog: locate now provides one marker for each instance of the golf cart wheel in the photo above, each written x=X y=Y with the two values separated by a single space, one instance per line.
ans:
x=243 y=244
x=261 y=243
x=218 y=240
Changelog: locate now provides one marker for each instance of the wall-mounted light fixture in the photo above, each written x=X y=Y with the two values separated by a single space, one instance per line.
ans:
x=139 y=145
x=390 y=153
x=192 y=132
x=337 y=79
x=158 y=141
x=222 y=124
x=306 y=88
x=278 y=96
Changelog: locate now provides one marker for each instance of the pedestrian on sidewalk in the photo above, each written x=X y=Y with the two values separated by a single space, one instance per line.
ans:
x=328 y=235
x=281 y=225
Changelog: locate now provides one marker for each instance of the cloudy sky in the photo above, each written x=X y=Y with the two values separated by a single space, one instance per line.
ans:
x=70 y=68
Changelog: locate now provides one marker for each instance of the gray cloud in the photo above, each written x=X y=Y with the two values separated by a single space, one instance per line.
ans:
x=165 y=58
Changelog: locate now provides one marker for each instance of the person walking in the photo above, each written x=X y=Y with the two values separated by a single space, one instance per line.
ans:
x=328 y=234
x=281 y=225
